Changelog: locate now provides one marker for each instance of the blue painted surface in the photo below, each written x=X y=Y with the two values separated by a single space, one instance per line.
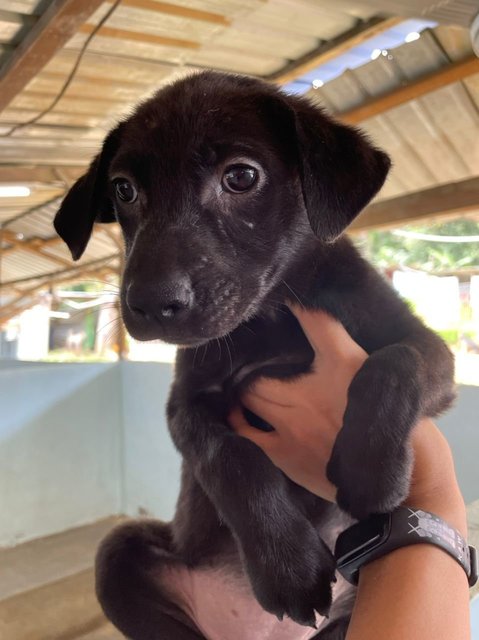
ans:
x=460 y=425
x=475 y=618
x=357 y=56
x=59 y=448
x=81 y=442
x=151 y=464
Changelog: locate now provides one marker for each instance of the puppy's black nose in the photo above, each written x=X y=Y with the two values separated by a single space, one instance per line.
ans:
x=160 y=300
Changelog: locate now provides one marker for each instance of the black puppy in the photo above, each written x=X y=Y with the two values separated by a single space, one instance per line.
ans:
x=232 y=197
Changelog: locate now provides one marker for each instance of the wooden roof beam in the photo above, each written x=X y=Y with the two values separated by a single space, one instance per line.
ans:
x=177 y=10
x=140 y=36
x=446 y=201
x=51 y=32
x=454 y=72
x=28 y=174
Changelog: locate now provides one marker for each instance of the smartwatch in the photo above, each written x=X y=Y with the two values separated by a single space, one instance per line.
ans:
x=381 y=533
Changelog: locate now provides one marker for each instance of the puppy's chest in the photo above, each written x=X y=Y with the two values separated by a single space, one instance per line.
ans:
x=274 y=346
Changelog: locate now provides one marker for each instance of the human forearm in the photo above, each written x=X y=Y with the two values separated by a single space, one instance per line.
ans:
x=418 y=592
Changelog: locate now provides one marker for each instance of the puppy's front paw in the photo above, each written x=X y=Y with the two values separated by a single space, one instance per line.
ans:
x=371 y=461
x=368 y=484
x=291 y=572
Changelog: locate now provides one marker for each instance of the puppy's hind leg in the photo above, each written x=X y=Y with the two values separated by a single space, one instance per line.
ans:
x=128 y=583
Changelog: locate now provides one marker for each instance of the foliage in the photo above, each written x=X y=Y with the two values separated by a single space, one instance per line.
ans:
x=90 y=330
x=387 y=250
x=64 y=355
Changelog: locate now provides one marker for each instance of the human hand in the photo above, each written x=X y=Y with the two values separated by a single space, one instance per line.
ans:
x=307 y=414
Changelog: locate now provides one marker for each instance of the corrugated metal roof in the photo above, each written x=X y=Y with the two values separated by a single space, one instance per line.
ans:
x=459 y=12
x=140 y=48
x=432 y=140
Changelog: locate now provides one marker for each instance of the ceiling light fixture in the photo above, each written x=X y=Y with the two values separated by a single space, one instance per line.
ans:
x=14 y=192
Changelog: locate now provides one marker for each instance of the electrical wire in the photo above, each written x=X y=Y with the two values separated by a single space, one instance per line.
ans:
x=71 y=75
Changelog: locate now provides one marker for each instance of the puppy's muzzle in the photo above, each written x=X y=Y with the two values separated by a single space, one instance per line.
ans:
x=168 y=300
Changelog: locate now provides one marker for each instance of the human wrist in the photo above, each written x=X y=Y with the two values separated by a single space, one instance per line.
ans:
x=448 y=505
x=434 y=485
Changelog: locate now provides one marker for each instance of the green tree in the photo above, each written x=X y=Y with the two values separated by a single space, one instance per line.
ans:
x=387 y=250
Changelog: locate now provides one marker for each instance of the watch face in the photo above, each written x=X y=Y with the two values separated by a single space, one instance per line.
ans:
x=363 y=537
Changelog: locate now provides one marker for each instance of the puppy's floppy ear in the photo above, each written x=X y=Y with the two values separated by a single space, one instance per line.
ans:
x=88 y=201
x=341 y=171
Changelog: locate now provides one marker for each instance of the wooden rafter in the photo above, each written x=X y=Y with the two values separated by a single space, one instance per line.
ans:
x=177 y=10
x=28 y=174
x=141 y=36
x=437 y=80
x=445 y=201
x=49 y=34
x=82 y=76
x=73 y=95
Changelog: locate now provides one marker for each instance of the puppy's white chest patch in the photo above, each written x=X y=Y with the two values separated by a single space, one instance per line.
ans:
x=223 y=607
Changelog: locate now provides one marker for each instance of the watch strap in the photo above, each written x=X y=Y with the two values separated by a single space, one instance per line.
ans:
x=380 y=534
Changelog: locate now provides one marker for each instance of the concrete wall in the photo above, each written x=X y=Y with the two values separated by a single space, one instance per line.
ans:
x=59 y=447
x=460 y=425
x=151 y=463
x=81 y=442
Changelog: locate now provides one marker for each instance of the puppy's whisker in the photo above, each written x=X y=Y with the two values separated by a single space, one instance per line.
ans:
x=219 y=347
x=248 y=328
x=205 y=349
x=106 y=325
x=228 y=336
x=229 y=354
x=294 y=293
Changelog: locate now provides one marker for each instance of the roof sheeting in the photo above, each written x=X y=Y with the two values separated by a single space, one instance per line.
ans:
x=432 y=139
x=147 y=43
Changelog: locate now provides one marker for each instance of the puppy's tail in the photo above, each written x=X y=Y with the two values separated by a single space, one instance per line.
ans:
x=128 y=585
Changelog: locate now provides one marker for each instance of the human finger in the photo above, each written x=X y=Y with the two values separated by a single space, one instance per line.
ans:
x=270 y=391
x=325 y=334
x=265 y=405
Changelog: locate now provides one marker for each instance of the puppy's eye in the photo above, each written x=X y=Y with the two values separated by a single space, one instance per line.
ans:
x=239 y=178
x=125 y=190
